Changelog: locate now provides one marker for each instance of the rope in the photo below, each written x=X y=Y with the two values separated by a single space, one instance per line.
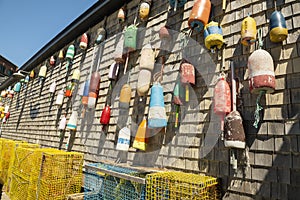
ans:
x=158 y=76
x=258 y=108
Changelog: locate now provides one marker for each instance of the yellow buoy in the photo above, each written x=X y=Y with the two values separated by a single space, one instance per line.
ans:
x=248 y=31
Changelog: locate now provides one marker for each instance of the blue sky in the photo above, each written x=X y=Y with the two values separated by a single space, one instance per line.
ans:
x=27 y=25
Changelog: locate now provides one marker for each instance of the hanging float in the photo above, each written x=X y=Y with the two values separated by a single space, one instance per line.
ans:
x=72 y=123
x=83 y=41
x=94 y=89
x=60 y=98
x=125 y=96
x=123 y=142
x=70 y=55
x=187 y=72
x=278 y=28
x=52 y=89
x=42 y=74
x=105 y=115
x=248 y=31
x=17 y=87
x=199 y=15
x=141 y=137
x=52 y=61
x=101 y=36
x=121 y=14
x=144 y=9
x=213 y=36
x=31 y=75
x=261 y=75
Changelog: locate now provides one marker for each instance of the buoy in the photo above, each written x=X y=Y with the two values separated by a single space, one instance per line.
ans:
x=121 y=15
x=144 y=9
x=3 y=93
x=213 y=35
x=234 y=134
x=72 y=123
x=199 y=15
x=83 y=41
x=31 y=75
x=10 y=94
x=17 y=87
x=27 y=79
x=6 y=117
x=52 y=61
x=105 y=115
x=187 y=72
x=61 y=55
x=278 y=28
x=101 y=35
x=177 y=94
x=147 y=60
x=141 y=137
x=248 y=31
x=123 y=139
x=76 y=76
x=125 y=96
x=85 y=96
x=52 y=89
x=261 y=72
x=177 y=3
x=70 y=55
x=222 y=99
x=69 y=90
x=94 y=89
x=62 y=123
x=119 y=49
x=42 y=74
x=143 y=82
x=157 y=117
x=113 y=71
x=130 y=37
x=60 y=98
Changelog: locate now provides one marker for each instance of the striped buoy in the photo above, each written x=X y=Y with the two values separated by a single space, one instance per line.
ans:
x=105 y=115
x=123 y=139
x=83 y=41
x=94 y=89
x=85 y=95
x=70 y=52
x=60 y=98
x=72 y=123
x=17 y=87
x=143 y=82
x=6 y=117
x=141 y=137
x=101 y=35
x=199 y=15
x=278 y=29
x=69 y=90
x=248 y=31
x=130 y=37
x=213 y=35
x=125 y=96
x=76 y=76
x=144 y=9
x=42 y=73
x=157 y=117
x=31 y=75
x=261 y=72
x=52 y=61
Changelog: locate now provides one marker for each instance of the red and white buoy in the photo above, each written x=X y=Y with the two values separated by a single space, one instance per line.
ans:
x=83 y=41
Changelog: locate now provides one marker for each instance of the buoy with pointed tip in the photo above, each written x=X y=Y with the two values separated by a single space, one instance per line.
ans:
x=72 y=123
x=60 y=98
x=113 y=71
x=157 y=117
x=101 y=35
x=213 y=35
x=3 y=93
x=199 y=15
x=62 y=123
x=222 y=99
x=52 y=61
x=42 y=74
x=141 y=137
x=6 y=117
x=248 y=31
x=123 y=139
x=144 y=9
x=125 y=96
x=83 y=41
x=121 y=15
x=147 y=60
x=17 y=87
x=31 y=75
x=278 y=28
x=105 y=115
x=94 y=89
x=27 y=79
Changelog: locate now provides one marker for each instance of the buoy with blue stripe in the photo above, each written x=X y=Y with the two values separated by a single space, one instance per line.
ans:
x=248 y=31
x=83 y=41
x=70 y=55
x=17 y=87
x=177 y=4
x=157 y=117
x=72 y=123
x=278 y=28
x=101 y=35
x=199 y=15
x=42 y=74
x=94 y=89
x=123 y=139
x=213 y=35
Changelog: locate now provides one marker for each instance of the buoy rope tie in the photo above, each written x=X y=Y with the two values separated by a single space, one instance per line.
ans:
x=258 y=108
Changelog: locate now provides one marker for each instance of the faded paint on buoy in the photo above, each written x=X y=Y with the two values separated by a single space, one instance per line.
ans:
x=123 y=139
x=94 y=89
x=17 y=87
x=70 y=52
x=52 y=61
x=72 y=123
x=147 y=60
x=199 y=15
x=52 y=87
x=83 y=41
x=141 y=137
x=101 y=35
x=248 y=31
x=113 y=71
x=278 y=28
x=213 y=35
x=85 y=96
x=125 y=96
x=144 y=10
x=76 y=76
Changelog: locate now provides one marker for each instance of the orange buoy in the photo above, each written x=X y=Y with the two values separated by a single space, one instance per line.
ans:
x=222 y=99
x=141 y=137
x=199 y=15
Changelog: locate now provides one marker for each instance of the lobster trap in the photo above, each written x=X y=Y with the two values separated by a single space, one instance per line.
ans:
x=180 y=185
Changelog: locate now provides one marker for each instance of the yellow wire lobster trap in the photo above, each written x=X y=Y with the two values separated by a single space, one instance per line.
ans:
x=181 y=186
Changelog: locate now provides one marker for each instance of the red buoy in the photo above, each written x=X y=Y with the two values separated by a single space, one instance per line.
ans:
x=105 y=115
x=222 y=100
x=94 y=89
